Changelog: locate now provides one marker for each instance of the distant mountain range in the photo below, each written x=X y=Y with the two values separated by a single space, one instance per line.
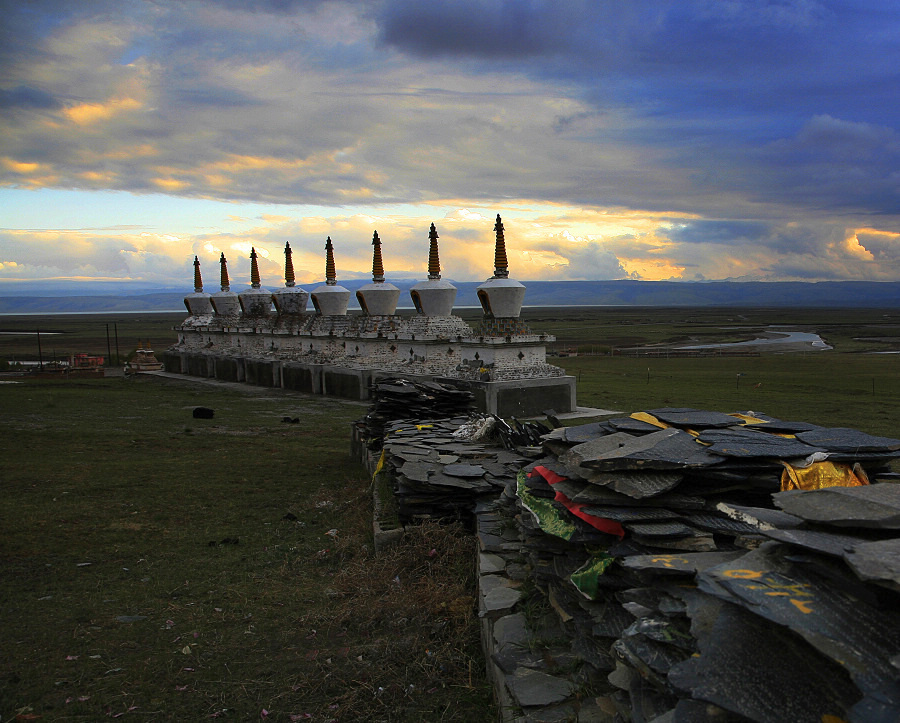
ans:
x=823 y=294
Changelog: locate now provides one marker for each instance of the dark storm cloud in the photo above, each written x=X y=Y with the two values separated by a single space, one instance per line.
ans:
x=24 y=96
x=721 y=232
x=499 y=29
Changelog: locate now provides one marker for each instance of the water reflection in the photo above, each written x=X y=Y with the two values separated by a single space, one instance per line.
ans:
x=772 y=338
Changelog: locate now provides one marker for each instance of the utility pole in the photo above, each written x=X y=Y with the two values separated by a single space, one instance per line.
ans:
x=116 y=330
x=40 y=354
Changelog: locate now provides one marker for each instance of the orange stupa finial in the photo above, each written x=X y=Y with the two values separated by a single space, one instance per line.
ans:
x=330 y=273
x=501 y=265
x=198 y=282
x=377 y=265
x=434 y=261
x=288 y=265
x=254 y=269
x=224 y=265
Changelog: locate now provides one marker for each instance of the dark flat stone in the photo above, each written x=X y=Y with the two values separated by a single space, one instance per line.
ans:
x=828 y=543
x=688 y=562
x=719 y=523
x=876 y=561
x=597 y=495
x=663 y=630
x=610 y=445
x=882 y=706
x=416 y=471
x=772 y=424
x=666 y=449
x=464 y=470
x=610 y=620
x=639 y=484
x=761 y=672
x=760 y=517
x=827 y=612
x=585 y=432
x=693 y=418
x=645 y=653
x=750 y=443
x=843 y=439
x=633 y=426
x=660 y=529
x=873 y=506
x=630 y=514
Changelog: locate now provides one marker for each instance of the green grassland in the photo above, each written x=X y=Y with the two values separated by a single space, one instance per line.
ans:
x=168 y=568
x=180 y=569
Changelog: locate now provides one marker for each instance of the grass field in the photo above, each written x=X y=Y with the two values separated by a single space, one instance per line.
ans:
x=158 y=567
x=169 y=568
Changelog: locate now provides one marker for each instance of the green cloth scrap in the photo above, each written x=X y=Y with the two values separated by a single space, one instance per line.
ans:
x=545 y=514
x=586 y=577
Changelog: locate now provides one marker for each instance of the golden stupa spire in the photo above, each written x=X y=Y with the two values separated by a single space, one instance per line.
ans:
x=198 y=282
x=330 y=273
x=224 y=275
x=377 y=265
x=288 y=265
x=434 y=261
x=501 y=265
x=254 y=269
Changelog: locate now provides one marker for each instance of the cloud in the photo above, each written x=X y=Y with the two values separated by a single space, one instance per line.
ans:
x=712 y=138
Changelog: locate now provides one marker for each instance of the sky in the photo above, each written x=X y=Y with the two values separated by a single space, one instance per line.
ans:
x=683 y=140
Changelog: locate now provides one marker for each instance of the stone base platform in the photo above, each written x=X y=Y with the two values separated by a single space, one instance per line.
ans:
x=509 y=398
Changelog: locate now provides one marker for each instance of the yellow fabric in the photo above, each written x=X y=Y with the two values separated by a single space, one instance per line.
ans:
x=822 y=474
x=380 y=465
x=747 y=418
x=650 y=419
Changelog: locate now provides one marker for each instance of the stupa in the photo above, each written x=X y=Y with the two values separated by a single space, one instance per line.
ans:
x=330 y=299
x=333 y=352
x=500 y=296
x=380 y=297
x=435 y=296
x=255 y=301
x=198 y=303
x=225 y=302
x=144 y=360
x=290 y=299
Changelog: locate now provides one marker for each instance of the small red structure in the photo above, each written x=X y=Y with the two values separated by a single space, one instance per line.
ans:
x=81 y=362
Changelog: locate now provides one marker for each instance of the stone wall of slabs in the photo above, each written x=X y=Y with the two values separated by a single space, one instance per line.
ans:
x=633 y=573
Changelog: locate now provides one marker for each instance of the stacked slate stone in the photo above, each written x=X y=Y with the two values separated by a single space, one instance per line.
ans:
x=439 y=472
x=685 y=579
x=398 y=398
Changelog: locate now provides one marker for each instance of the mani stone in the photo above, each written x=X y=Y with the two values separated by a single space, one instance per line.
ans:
x=873 y=506
x=666 y=449
x=749 y=443
x=464 y=470
x=497 y=595
x=843 y=439
x=876 y=561
x=694 y=418
x=761 y=672
x=534 y=688
x=825 y=612
x=815 y=540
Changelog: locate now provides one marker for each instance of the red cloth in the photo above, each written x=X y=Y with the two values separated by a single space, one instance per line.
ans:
x=610 y=527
